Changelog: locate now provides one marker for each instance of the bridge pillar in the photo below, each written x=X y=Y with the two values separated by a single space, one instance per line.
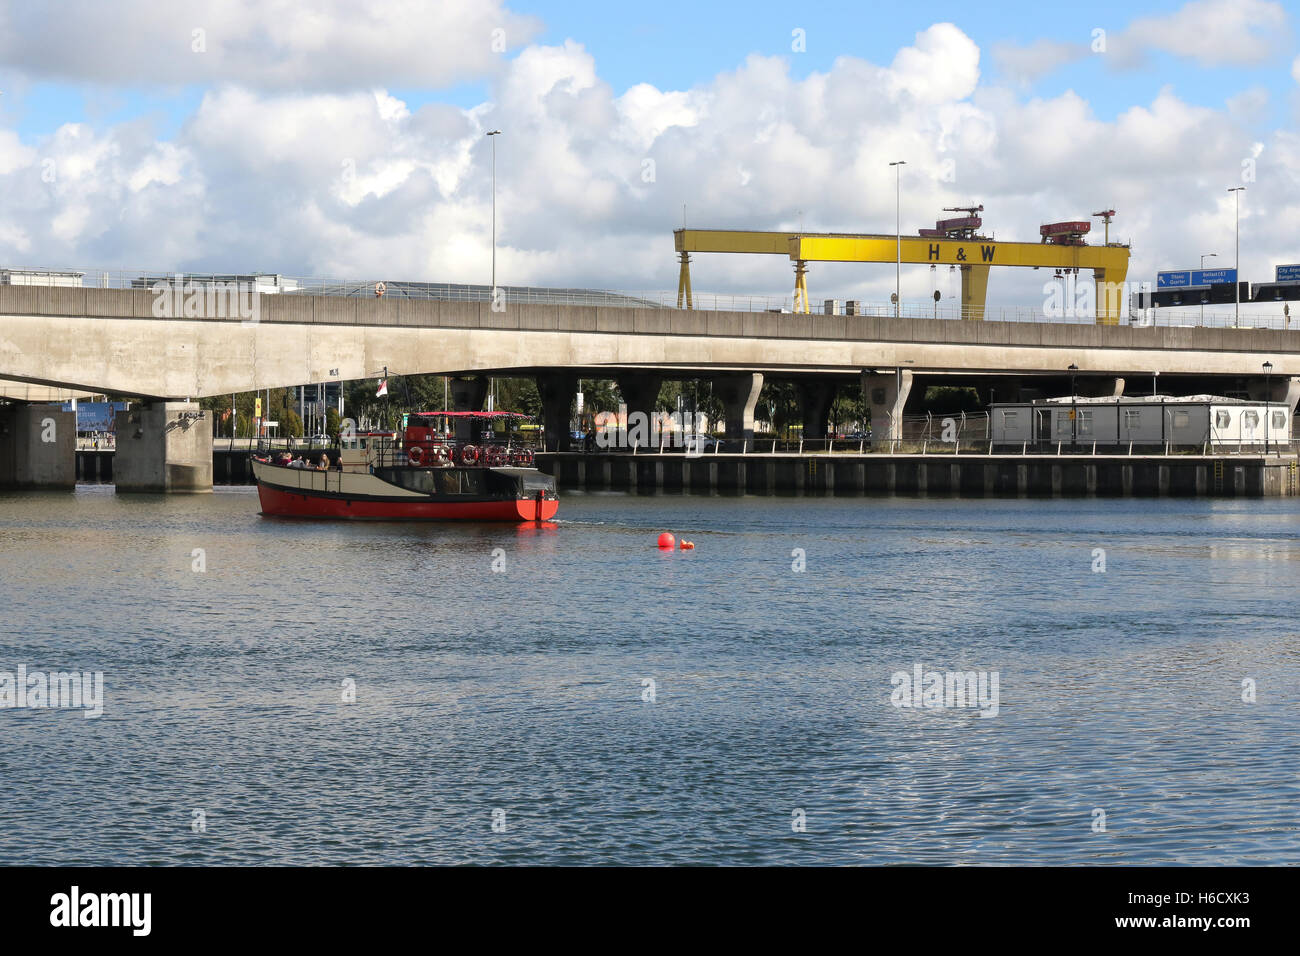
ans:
x=885 y=393
x=815 y=400
x=38 y=447
x=468 y=395
x=739 y=395
x=163 y=447
x=557 y=392
x=1280 y=389
x=640 y=391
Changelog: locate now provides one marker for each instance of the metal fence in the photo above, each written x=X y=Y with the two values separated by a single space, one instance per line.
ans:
x=1255 y=316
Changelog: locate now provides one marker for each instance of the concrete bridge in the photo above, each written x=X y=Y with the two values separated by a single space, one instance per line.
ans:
x=113 y=341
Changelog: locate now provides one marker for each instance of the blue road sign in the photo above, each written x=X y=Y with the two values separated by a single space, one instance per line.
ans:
x=1288 y=273
x=1214 y=276
x=1196 y=277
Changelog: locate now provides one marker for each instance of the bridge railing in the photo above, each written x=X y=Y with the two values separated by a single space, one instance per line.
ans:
x=1255 y=315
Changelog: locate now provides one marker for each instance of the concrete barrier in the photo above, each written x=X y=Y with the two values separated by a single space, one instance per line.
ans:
x=971 y=476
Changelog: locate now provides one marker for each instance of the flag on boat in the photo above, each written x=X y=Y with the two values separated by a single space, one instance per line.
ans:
x=383 y=388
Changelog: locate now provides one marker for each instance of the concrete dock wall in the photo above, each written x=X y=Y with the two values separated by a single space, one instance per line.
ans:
x=972 y=476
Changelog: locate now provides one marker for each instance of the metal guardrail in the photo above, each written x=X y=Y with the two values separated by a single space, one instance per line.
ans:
x=273 y=283
x=830 y=447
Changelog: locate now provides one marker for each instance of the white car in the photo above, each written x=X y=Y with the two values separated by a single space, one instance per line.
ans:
x=699 y=444
x=320 y=440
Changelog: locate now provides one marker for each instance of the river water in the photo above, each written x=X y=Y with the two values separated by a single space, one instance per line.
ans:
x=282 y=692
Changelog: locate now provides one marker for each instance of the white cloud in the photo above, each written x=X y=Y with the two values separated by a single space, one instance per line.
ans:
x=1026 y=64
x=942 y=66
x=261 y=44
x=1295 y=69
x=1210 y=32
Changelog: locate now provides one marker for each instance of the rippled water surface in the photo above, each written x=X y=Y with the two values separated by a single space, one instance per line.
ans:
x=523 y=690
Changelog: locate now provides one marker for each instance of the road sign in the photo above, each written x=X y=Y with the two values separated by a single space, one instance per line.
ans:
x=1214 y=276
x=1288 y=273
x=1197 y=277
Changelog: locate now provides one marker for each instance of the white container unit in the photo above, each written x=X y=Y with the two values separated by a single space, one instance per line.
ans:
x=1197 y=420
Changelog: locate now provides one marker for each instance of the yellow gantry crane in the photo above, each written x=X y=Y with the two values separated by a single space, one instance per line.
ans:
x=1061 y=248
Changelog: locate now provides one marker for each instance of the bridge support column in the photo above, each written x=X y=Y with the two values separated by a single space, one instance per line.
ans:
x=885 y=393
x=163 y=447
x=739 y=395
x=38 y=447
x=815 y=400
x=557 y=392
x=640 y=391
x=1283 y=389
x=468 y=395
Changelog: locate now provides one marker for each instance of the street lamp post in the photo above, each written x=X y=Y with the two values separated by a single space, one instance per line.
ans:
x=1074 y=410
x=1268 y=399
x=1208 y=255
x=492 y=134
x=898 y=229
x=1236 y=266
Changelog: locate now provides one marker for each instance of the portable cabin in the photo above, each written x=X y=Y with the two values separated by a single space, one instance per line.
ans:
x=1205 y=420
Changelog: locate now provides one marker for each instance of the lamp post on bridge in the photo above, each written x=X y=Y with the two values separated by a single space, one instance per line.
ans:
x=1236 y=280
x=1208 y=255
x=492 y=134
x=898 y=228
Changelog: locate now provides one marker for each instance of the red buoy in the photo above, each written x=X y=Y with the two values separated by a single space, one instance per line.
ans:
x=666 y=541
x=688 y=545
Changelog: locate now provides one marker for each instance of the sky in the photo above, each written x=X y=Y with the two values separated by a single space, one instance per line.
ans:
x=345 y=138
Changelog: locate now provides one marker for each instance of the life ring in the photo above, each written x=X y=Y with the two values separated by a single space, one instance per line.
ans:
x=380 y=289
x=468 y=455
x=415 y=455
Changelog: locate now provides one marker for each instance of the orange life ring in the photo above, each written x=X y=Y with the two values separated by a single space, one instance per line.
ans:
x=415 y=455
x=468 y=455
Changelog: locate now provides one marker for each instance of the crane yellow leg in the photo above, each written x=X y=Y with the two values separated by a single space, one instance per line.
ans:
x=1110 y=293
x=684 y=282
x=800 y=286
x=974 y=291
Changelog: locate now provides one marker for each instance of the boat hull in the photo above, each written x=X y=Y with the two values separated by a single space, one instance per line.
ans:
x=297 y=493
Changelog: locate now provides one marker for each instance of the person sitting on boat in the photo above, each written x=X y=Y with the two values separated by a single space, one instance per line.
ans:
x=324 y=464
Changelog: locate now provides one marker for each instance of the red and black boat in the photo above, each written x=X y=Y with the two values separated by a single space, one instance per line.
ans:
x=444 y=466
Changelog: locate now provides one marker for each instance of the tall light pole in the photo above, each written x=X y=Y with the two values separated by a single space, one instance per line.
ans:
x=1074 y=409
x=898 y=228
x=1236 y=281
x=493 y=133
x=1208 y=255
x=1268 y=401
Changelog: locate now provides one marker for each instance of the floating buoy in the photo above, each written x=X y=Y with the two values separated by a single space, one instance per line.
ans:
x=666 y=541
x=688 y=545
